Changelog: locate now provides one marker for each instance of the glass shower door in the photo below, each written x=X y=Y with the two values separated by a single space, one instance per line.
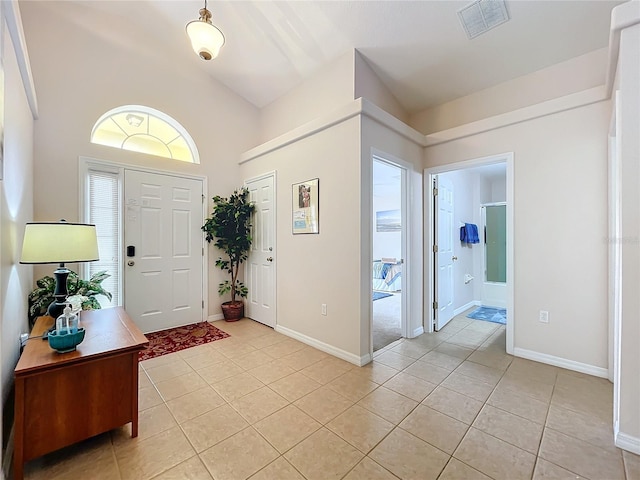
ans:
x=496 y=243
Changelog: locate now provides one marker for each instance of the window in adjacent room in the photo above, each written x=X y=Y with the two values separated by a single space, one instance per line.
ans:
x=143 y=129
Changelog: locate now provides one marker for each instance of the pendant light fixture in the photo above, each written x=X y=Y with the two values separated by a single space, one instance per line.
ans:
x=206 y=38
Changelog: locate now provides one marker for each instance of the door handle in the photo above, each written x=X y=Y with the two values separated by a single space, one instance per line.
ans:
x=271 y=249
x=454 y=258
x=269 y=259
x=131 y=263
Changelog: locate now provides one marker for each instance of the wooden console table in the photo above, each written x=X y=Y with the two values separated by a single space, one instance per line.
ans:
x=64 y=398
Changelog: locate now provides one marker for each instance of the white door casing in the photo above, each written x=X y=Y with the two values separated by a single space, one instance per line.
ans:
x=445 y=256
x=385 y=171
x=260 y=267
x=431 y=261
x=163 y=281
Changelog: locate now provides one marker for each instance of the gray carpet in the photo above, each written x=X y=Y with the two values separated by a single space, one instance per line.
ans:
x=386 y=321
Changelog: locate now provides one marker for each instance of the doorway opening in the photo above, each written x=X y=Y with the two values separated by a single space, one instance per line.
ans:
x=388 y=245
x=470 y=247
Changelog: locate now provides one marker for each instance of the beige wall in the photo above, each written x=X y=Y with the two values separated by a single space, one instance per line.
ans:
x=340 y=156
x=327 y=90
x=577 y=74
x=368 y=85
x=16 y=208
x=313 y=269
x=335 y=85
x=560 y=222
x=629 y=115
x=79 y=75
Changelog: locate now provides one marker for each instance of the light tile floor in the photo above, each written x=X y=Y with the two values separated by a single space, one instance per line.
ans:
x=450 y=405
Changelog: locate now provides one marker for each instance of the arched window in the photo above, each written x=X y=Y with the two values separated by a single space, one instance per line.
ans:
x=142 y=129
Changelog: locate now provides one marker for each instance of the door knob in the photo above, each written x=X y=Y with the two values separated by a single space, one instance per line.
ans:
x=454 y=258
x=131 y=263
x=269 y=259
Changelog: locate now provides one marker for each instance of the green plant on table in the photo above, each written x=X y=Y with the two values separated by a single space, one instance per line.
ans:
x=85 y=292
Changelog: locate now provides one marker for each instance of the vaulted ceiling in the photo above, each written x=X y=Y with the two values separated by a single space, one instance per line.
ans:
x=417 y=48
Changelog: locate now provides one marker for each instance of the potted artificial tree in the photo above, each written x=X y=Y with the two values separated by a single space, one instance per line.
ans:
x=230 y=226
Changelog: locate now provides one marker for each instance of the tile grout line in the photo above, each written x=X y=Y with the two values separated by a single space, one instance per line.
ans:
x=478 y=414
x=440 y=384
x=486 y=345
x=249 y=425
x=196 y=453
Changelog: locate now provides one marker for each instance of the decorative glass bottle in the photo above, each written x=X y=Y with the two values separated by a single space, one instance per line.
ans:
x=67 y=323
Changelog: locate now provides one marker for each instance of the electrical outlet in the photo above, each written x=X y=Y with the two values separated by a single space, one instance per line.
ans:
x=324 y=309
x=544 y=316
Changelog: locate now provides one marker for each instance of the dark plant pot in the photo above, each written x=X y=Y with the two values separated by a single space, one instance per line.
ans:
x=233 y=311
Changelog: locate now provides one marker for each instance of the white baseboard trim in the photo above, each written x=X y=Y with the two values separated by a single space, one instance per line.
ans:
x=473 y=303
x=325 y=347
x=561 y=362
x=215 y=318
x=417 y=332
x=627 y=442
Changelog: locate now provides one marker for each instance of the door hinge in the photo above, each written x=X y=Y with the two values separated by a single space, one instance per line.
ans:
x=435 y=249
x=203 y=251
x=202 y=198
x=435 y=305
x=435 y=192
x=203 y=304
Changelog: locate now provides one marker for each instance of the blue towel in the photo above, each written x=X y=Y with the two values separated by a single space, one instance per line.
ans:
x=473 y=236
x=469 y=233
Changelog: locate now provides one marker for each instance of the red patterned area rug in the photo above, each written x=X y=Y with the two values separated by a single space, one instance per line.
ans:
x=179 y=338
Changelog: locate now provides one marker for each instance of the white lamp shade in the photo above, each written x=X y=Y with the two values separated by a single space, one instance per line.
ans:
x=206 y=39
x=59 y=243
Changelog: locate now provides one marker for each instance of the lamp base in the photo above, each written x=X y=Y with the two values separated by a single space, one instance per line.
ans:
x=56 y=309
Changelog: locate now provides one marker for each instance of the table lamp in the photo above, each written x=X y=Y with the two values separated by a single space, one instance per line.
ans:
x=59 y=242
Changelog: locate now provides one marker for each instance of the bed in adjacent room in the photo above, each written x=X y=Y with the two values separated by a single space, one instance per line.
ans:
x=387 y=275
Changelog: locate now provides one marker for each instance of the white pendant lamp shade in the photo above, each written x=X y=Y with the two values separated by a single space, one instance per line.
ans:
x=206 y=39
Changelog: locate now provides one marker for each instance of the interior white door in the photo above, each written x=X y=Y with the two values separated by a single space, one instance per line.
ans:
x=163 y=276
x=445 y=257
x=260 y=268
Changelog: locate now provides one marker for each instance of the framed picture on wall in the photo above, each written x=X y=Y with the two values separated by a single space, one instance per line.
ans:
x=389 y=221
x=305 y=197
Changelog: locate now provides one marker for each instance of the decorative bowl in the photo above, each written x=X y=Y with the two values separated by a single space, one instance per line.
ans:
x=65 y=342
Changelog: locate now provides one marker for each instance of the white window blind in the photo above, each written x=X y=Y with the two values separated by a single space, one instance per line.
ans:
x=104 y=212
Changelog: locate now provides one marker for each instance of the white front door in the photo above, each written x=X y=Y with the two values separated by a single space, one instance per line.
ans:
x=163 y=260
x=260 y=269
x=445 y=257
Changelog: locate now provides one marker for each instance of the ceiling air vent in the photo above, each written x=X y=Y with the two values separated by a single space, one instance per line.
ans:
x=482 y=15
